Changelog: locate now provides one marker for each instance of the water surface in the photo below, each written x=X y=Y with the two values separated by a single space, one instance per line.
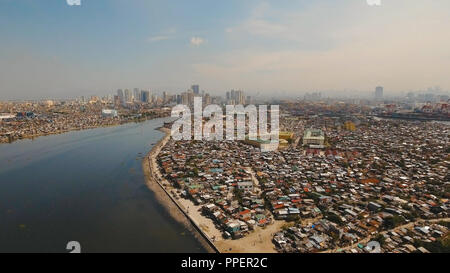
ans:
x=85 y=186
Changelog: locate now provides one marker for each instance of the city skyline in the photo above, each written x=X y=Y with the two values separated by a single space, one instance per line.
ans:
x=53 y=50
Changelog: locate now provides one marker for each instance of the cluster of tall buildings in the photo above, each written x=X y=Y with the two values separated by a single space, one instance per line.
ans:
x=187 y=98
x=126 y=96
x=313 y=96
x=236 y=97
x=233 y=97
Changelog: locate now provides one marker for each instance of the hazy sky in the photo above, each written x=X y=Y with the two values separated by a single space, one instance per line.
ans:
x=51 y=49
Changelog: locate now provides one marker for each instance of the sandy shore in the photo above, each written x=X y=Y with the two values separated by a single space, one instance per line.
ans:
x=185 y=212
x=258 y=241
x=157 y=185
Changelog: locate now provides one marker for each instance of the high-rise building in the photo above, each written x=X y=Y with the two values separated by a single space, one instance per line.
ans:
x=236 y=97
x=128 y=96
x=196 y=89
x=207 y=99
x=184 y=98
x=191 y=96
x=136 y=94
x=121 y=95
x=379 y=92
x=116 y=100
x=145 y=96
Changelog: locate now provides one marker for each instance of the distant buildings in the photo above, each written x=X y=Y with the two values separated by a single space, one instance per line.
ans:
x=116 y=100
x=315 y=96
x=379 y=93
x=121 y=95
x=136 y=94
x=235 y=97
x=207 y=99
x=196 y=89
x=128 y=95
x=145 y=96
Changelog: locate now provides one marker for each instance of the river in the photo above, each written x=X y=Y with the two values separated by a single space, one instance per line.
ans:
x=85 y=186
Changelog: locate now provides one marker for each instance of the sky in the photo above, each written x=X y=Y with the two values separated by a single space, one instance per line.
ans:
x=49 y=49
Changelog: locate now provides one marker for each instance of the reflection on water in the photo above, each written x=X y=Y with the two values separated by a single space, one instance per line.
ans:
x=85 y=186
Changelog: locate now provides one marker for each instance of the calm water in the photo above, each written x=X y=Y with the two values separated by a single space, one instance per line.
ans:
x=85 y=186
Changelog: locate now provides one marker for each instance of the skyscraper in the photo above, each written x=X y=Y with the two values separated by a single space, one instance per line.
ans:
x=128 y=95
x=196 y=89
x=236 y=97
x=121 y=96
x=116 y=100
x=136 y=94
x=145 y=96
x=207 y=99
x=379 y=92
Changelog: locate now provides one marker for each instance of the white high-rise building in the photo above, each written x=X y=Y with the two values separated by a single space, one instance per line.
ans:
x=128 y=96
x=136 y=94
x=379 y=92
x=236 y=97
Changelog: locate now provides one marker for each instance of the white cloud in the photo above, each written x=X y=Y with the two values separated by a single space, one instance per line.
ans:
x=197 y=41
x=165 y=35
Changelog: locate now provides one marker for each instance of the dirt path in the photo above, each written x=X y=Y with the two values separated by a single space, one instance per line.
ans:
x=258 y=241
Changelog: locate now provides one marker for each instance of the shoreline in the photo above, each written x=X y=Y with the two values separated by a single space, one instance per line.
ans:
x=74 y=129
x=176 y=210
x=203 y=228
x=32 y=137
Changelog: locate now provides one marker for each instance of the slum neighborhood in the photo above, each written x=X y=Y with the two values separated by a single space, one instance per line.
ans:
x=352 y=176
x=19 y=120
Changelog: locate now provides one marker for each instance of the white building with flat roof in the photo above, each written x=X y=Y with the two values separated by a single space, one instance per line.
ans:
x=313 y=137
x=109 y=113
x=6 y=116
